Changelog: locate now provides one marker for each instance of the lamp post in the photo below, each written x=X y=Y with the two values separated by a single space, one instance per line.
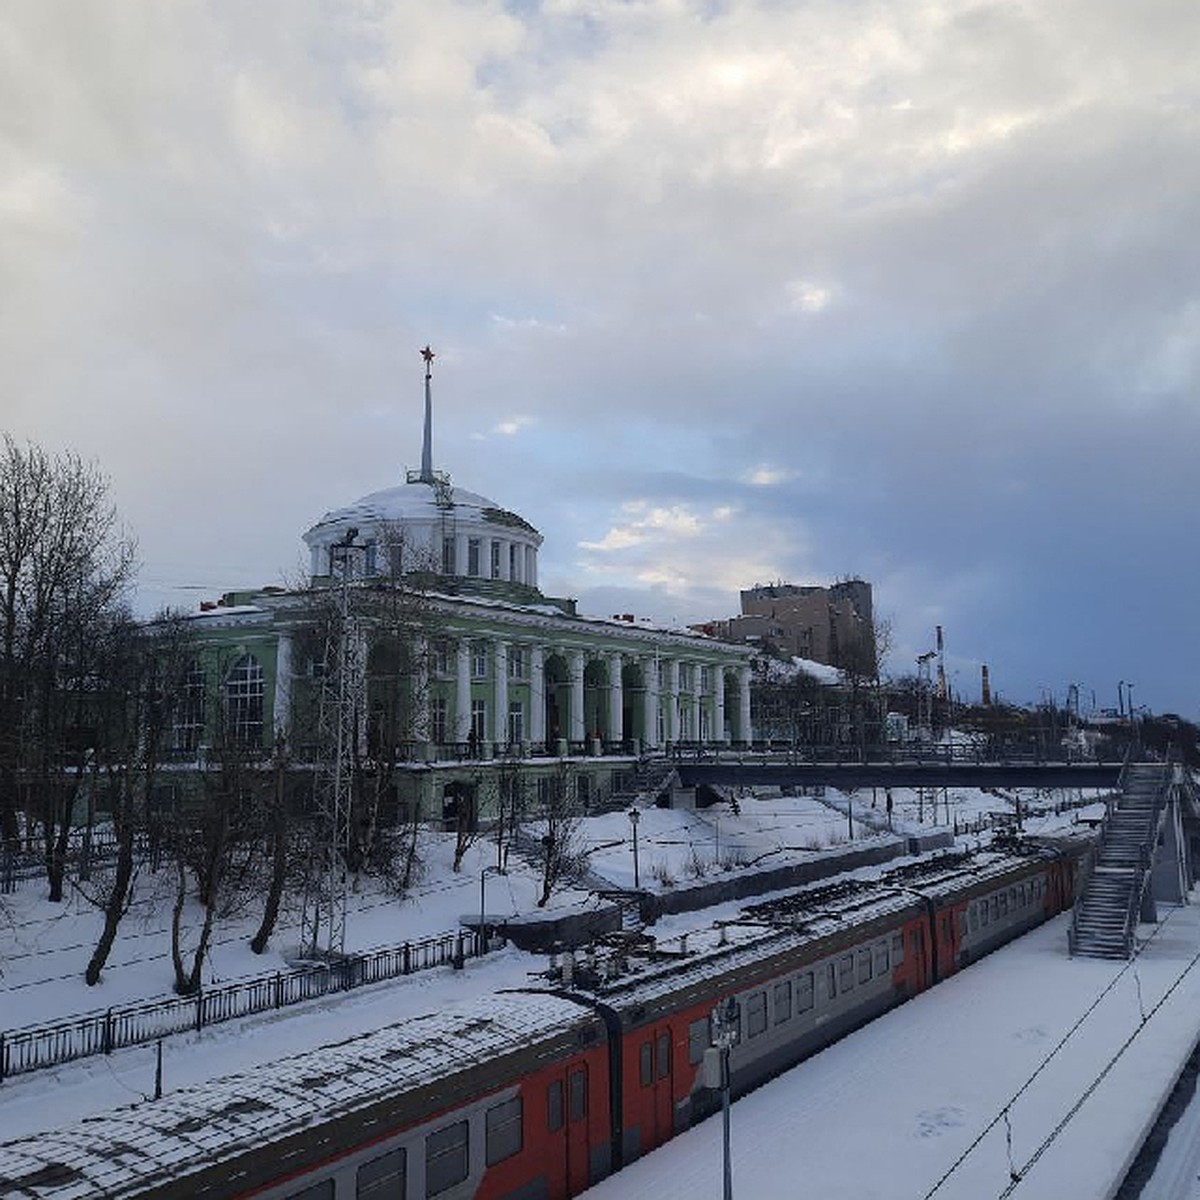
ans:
x=634 y=817
x=726 y=1025
x=483 y=903
x=1121 y=697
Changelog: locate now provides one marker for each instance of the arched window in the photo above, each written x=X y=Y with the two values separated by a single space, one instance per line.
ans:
x=244 y=688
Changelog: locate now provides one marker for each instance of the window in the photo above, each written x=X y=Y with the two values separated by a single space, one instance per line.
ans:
x=441 y=658
x=447 y=1157
x=662 y=1056
x=1003 y=904
x=516 y=662
x=513 y=571
x=370 y=558
x=449 y=556
x=583 y=790
x=188 y=726
x=804 y=992
x=846 y=972
x=479 y=660
x=554 y=1106
x=881 y=959
x=783 y=1001
x=383 y=1177
x=318 y=1191
x=756 y=1013
x=244 y=687
x=479 y=720
x=864 y=966
x=831 y=980
x=516 y=722
x=697 y=1040
x=646 y=1063
x=974 y=917
x=577 y=1094
x=473 y=565
x=983 y=913
x=503 y=1123
x=495 y=560
x=706 y=679
x=897 y=949
x=995 y=907
x=439 y=719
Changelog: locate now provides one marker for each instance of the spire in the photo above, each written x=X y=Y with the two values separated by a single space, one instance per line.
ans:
x=427 y=445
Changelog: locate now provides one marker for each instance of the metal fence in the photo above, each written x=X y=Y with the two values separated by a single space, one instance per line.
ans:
x=36 y=1047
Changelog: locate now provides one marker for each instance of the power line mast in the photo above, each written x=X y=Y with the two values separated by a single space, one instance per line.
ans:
x=343 y=690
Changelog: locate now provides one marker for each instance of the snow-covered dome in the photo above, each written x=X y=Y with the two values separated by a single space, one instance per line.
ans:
x=426 y=525
x=429 y=527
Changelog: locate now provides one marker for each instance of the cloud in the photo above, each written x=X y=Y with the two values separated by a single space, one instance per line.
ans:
x=768 y=476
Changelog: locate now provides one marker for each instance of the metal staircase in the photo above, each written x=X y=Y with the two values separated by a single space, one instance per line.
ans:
x=1112 y=898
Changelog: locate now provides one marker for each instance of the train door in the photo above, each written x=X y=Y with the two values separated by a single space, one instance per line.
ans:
x=919 y=954
x=655 y=1085
x=568 y=1160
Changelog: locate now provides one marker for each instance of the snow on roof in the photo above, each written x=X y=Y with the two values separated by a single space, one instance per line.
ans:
x=777 y=671
x=119 y=1153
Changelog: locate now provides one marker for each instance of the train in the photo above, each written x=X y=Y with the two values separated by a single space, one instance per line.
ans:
x=539 y=1092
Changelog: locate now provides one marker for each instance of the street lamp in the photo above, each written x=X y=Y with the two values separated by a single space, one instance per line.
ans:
x=726 y=1027
x=634 y=817
x=483 y=902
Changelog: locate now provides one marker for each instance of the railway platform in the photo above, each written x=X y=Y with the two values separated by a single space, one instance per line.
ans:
x=1030 y=1074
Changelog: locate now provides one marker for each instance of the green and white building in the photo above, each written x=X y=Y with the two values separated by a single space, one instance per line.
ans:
x=501 y=672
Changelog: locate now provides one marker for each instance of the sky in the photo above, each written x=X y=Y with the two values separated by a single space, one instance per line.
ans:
x=722 y=292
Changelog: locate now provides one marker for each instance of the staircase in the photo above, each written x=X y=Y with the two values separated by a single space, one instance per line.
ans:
x=646 y=782
x=1110 y=899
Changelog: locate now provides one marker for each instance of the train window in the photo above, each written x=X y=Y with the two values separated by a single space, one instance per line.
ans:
x=864 y=966
x=577 y=1093
x=756 y=1014
x=554 y=1106
x=697 y=1040
x=1012 y=897
x=897 y=949
x=804 y=992
x=318 y=1191
x=503 y=1124
x=447 y=1157
x=662 y=1056
x=995 y=906
x=1003 y=898
x=846 y=972
x=831 y=981
x=382 y=1178
x=881 y=958
x=783 y=1001
x=962 y=923
x=646 y=1056
x=983 y=912
x=974 y=911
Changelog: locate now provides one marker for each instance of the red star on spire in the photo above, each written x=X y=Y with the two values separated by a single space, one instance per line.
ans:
x=428 y=355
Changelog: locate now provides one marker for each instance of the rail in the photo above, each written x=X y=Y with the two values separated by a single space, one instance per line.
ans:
x=37 y=1047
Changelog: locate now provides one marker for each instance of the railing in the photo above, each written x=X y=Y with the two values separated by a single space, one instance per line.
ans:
x=36 y=1047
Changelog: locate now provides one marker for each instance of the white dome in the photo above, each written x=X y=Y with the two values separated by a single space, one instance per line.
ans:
x=407 y=502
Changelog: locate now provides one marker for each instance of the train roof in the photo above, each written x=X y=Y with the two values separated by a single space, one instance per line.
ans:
x=123 y=1152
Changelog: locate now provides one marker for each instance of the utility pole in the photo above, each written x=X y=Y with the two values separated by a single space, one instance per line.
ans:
x=338 y=724
x=726 y=1025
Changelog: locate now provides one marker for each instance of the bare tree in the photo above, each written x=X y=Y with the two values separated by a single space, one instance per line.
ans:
x=141 y=673
x=559 y=826
x=65 y=565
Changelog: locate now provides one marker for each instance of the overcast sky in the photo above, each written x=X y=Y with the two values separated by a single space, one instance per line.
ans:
x=723 y=292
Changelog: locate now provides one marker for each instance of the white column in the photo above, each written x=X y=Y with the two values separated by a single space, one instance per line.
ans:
x=282 y=714
x=500 y=719
x=577 y=728
x=650 y=714
x=531 y=566
x=537 y=694
x=616 y=712
x=462 y=691
x=672 y=700
x=460 y=553
x=719 y=703
x=745 y=729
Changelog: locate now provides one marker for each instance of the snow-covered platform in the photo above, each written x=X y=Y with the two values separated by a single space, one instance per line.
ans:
x=1030 y=1074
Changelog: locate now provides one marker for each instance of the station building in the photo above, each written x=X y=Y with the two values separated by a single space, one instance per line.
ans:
x=497 y=672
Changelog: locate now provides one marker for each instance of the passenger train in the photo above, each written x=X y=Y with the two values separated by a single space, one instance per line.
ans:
x=536 y=1094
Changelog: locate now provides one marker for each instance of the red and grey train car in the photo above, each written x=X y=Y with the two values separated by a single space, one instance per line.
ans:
x=535 y=1095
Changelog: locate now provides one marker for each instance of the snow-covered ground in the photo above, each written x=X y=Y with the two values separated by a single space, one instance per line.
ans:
x=44 y=948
